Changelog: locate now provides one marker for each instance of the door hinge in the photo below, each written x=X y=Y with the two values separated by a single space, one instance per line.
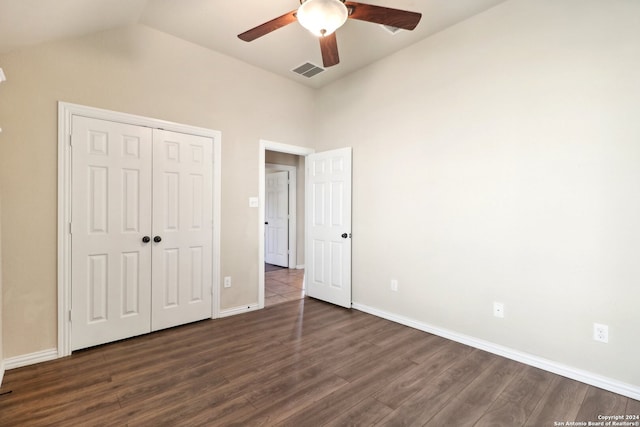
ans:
x=70 y=232
x=70 y=140
x=69 y=315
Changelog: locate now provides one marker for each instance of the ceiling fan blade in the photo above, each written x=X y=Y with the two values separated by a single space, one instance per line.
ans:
x=383 y=15
x=268 y=27
x=329 y=49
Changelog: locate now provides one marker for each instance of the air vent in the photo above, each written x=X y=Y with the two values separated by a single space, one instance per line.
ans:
x=390 y=29
x=308 y=70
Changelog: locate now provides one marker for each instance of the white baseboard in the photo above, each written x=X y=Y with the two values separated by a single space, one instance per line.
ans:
x=586 y=377
x=300 y=267
x=51 y=354
x=238 y=310
x=30 y=359
x=1 y=371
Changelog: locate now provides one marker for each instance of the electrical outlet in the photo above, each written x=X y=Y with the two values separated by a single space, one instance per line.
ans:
x=394 y=285
x=227 y=281
x=498 y=309
x=601 y=332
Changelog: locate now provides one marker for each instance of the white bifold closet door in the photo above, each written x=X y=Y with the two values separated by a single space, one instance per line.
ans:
x=141 y=230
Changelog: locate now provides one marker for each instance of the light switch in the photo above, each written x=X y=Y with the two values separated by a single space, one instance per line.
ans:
x=253 y=202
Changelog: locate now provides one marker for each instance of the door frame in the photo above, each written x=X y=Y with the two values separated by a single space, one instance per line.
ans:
x=265 y=145
x=65 y=112
x=291 y=207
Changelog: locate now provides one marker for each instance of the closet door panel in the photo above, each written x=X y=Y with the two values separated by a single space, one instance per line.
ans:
x=182 y=228
x=111 y=213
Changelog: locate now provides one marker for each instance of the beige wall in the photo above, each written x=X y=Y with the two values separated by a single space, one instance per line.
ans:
x=297 y=161
x=499 y=160
x=140 y=71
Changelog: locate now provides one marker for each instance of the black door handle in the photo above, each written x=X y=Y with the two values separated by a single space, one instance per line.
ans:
x=157 y=239
x=146 y=239
x=344 y=235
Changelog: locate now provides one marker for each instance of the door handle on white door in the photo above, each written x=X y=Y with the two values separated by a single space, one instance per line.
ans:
x=146 y=239
x=157 y=239
x=345 y=235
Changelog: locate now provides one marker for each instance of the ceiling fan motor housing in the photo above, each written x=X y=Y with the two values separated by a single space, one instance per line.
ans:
x=322 y=17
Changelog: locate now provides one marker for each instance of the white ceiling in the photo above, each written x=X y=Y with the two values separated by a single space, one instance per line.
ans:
x=215 y=24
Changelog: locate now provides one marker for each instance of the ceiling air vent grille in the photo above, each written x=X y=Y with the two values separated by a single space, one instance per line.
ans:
x=308 y=70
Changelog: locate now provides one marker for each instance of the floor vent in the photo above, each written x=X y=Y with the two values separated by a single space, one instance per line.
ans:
x=390 y=29
x=308 y=70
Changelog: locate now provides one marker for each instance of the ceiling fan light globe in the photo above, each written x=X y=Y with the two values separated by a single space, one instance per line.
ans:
x=322 y=17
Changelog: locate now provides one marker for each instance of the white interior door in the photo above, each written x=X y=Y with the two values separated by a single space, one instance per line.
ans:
x=182 y=228
x=277 y=218
x=328 y=226
x=111 y=213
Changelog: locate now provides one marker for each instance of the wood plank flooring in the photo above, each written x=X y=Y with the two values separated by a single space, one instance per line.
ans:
x=297 y=363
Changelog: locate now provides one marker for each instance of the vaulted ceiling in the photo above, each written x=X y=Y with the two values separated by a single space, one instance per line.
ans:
x=215 y=24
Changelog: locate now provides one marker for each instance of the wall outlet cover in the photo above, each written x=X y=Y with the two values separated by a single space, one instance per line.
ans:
x=601 y=332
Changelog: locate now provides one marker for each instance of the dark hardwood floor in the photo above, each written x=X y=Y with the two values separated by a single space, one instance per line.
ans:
x=299 y=363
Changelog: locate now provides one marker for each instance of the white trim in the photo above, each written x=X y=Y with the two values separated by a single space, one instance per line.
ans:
x=300 y=267
x=217 y=228
x=238 y=310
x=132 y=119
x=293 y=237
x=1 y=371
x=64 y=238
x=265 y=145
x=30 y=359
x=65 y=113
x=586 y=377
x=286 y=148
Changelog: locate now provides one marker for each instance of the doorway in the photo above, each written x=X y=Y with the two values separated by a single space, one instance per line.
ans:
x=327 y=224
x=282 y=284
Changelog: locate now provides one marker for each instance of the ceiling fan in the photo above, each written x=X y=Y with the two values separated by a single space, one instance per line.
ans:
x=324 y=17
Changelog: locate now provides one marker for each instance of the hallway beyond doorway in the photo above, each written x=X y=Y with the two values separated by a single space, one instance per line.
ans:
x=282 y=284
